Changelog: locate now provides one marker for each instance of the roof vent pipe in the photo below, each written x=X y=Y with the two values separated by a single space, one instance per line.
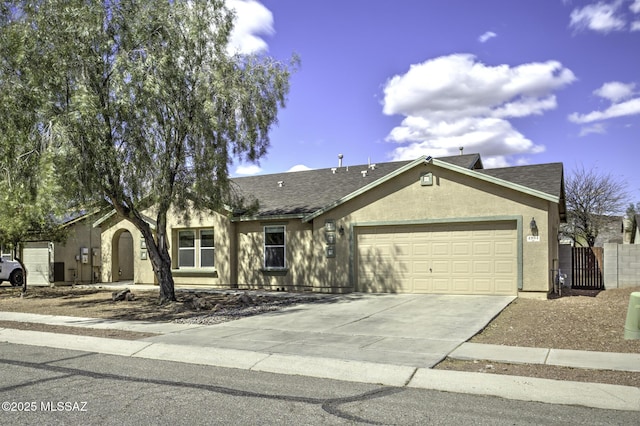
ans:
x=340 y=157
x=280 y=183
x=461 y=149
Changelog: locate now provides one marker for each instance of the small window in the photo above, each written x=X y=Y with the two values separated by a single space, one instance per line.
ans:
x=186 y=249
x=274 y=247
x=207 y=249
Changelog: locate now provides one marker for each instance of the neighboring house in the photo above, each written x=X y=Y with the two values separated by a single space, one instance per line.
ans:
x=609 y=232
x=77 y=260
x=426 y=226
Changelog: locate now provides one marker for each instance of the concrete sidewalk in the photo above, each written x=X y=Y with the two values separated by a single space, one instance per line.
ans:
x=333 y=353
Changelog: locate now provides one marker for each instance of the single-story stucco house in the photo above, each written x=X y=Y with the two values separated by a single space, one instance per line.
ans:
x=76 y=260
x=443 y=225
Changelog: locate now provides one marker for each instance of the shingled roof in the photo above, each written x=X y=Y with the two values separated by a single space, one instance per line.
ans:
x=545 y=178
x=305 y=192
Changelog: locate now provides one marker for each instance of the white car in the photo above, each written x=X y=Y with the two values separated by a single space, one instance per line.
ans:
x=11 y=271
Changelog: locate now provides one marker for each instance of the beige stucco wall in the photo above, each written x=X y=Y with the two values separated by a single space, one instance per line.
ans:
x=220 y=275
x=118 y=252
x=304 y=269
x=80 y=235
x=223 y=232
x=452 y=196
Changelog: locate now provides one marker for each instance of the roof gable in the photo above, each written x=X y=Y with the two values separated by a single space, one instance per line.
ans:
x=307 y=194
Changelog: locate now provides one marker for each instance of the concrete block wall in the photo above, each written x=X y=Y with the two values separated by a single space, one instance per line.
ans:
x=621 y=265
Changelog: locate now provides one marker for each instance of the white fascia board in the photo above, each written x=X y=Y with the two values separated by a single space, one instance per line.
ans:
x=97 y=223
x=267 y=218
x=104 y=218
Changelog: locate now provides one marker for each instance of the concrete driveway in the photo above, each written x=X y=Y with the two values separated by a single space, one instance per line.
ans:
x=401 y=329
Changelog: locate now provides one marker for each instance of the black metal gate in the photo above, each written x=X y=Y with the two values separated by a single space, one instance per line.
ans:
x=587 y=268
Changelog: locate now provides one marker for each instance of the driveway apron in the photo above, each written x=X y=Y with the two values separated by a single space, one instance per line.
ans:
x=401 y=329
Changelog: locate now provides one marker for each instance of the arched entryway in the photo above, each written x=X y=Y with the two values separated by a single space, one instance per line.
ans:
x=122 y=256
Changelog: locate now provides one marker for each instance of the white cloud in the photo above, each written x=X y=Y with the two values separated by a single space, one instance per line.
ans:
x=252 y=20
x=299 y=168
x=600 y=17
x=630 y=107
x=615 y=91
x=624 y=101
x=598 y=128
x=635 y=6
x=250 y=169
x=487 y=36
x=635 y=26
x=453 y=101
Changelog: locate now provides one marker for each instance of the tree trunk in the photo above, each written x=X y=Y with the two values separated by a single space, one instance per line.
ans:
x=157 y=249
x=161 y=263
x=165 y=279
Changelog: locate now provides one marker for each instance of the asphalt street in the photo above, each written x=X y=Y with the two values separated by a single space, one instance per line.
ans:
x=42 y=385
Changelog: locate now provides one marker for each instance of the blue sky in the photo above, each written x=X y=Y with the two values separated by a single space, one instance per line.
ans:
x=520 y=82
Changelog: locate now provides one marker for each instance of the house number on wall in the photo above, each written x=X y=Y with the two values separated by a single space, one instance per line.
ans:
x=533 y=238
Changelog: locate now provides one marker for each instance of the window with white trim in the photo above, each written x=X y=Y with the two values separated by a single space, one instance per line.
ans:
x=207 y=249
x=274 y=247
x=196 y=248
x=186 y=249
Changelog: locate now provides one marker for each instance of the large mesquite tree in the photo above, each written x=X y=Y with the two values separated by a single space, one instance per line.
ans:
x=142 y=103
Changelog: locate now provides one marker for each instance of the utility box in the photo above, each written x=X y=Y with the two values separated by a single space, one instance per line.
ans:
x=632 y=325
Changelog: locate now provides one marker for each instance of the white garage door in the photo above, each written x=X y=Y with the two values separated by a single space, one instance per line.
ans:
x=37 y=261
x=460 y=258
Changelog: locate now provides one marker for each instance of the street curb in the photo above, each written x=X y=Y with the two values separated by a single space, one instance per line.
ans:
x=594 y=395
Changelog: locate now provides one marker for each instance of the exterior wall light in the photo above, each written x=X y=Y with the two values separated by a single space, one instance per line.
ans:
x=534 y=227
x=341 y=230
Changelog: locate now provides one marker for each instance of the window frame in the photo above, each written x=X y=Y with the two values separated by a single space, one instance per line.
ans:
x=211 y=248
x=196 y=250
x=272 y=246
x=191 y=249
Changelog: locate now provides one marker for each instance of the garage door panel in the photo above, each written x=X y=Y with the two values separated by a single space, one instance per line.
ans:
x=503 y=286
x=462 y=285
x=483 y=285
x=461 y=267
x=422 y=285
x=461 y=248
x=504 y=267
x=441 y=285
x=482 y=266
x=505 y=248
x=420 y=267
x=440 y=267
x=421 y=249
x=482 y=248
x=460 y=258
x=440 y=249
x=402 y=249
